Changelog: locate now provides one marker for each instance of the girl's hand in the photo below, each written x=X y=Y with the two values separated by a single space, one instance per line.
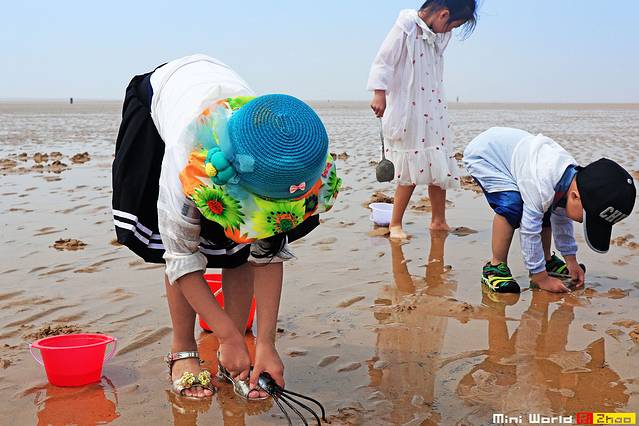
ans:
x=267 y=360
x=234 y=357
x=576 y=273
x=378 y=104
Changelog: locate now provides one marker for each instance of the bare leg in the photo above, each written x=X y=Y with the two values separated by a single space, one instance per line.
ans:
x=268 y=290
x=502 y=237
x=546 y=238
x=402 y=197
x=438 y=203
x=232 y=347
x=183 y=319
x=237 y=285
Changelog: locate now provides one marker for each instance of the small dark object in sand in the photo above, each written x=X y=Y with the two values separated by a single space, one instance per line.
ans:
x=296 y=352
x=6 y=164
x=55 y=330
x=68 y=244
x=379 y=232
x=351 y=301
x=424 y=205
x=462 y=231
x=458 y=156
x=379 y=197
x=55 y=155
x=614 y=332
x=467 y=182
x=342 y=156
x=57 y=166
x=626 y=323
x=39 y=157
x=625 y=240
x=80 y=158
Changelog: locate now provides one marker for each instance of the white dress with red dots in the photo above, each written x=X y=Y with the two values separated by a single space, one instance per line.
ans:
x=409 y=67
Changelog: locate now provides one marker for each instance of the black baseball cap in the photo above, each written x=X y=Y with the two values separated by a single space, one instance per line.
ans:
x=608 y=195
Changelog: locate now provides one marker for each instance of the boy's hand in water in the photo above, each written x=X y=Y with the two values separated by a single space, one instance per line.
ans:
x=548 y=283
x=577 y=274
x=378 y=104
x=267 y=360
x=235 y=357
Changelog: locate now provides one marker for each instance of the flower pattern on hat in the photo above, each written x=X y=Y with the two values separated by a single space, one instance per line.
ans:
x=210 y=179
x=276 y=217
x=216 y=205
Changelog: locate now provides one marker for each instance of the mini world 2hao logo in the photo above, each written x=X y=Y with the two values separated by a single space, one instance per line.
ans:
x=581 y=418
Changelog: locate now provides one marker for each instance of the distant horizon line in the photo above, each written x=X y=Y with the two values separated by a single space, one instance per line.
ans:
x=529 y=102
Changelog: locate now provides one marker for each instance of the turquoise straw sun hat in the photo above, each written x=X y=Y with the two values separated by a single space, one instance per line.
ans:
x=287 y=142
x=260 y=166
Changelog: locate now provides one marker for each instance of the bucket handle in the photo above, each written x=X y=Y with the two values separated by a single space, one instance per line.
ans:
x=38 y=360
x=108 y=357
x=115 y=345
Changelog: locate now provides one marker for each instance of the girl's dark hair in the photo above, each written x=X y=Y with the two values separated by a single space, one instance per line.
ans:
x=460 y=10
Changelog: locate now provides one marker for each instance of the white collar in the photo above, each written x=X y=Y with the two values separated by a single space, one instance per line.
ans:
x=427 y=33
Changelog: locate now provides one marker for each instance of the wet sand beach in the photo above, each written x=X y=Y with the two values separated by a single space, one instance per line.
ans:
x=381 y=332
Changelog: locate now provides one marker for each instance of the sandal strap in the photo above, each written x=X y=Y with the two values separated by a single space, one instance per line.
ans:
x=176 y=356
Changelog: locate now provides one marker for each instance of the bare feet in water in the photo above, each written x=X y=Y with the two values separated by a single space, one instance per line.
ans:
x=397 y=233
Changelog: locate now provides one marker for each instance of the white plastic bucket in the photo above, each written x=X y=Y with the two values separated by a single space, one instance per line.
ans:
x=381 y=213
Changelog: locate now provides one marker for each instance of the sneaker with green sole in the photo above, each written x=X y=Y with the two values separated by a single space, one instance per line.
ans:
x=498 y=278
x=557 y=268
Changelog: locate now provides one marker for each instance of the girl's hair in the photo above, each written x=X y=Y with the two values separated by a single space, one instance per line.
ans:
x=460 y=10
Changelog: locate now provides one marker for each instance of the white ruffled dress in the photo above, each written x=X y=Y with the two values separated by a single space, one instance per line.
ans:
x=409 y=67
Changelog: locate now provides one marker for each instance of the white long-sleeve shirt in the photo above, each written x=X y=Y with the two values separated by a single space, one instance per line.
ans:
x=181 y=89
x=505 y=159
x=409 y=67
x=409 y=61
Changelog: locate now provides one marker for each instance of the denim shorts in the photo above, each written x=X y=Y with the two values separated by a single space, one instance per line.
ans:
x=510 y=205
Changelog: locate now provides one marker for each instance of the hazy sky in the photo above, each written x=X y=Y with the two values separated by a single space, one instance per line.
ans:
x=522 y=50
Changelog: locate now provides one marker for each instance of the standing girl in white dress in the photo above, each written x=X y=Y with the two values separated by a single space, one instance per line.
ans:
x=407 y=79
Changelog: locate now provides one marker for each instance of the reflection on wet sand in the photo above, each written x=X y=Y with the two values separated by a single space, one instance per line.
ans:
x=409 y=342
x=532 y=371
x=527 y=371
x=90 y=404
